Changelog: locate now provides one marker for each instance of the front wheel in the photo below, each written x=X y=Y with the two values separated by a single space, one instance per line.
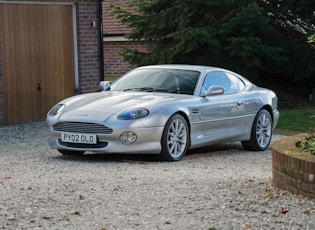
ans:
x=175 y=139
x=261 y=132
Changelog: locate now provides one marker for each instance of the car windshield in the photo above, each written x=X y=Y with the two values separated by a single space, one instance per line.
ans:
x=158 y=80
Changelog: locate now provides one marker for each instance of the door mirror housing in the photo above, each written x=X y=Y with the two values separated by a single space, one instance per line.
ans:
x=213 y=90
x=105 y=85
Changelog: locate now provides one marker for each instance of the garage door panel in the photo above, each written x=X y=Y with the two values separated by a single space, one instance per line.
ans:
x=38 y=63
x=9 y=70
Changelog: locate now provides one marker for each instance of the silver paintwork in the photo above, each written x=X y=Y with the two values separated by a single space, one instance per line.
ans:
x=211 y=119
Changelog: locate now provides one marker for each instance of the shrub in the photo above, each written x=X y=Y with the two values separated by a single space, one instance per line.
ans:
x=308 y=143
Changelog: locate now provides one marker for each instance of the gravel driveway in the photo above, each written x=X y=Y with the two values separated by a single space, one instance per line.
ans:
x=219 y=187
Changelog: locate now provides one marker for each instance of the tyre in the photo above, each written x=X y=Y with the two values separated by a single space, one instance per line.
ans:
x=70 y=153
x=175 y=139
x=261 y=132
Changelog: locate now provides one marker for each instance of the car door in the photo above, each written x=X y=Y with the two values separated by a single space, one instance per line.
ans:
x=223 y=113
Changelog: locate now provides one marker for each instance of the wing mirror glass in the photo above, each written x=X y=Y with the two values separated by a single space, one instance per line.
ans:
x=214 y=90
x=105 y=85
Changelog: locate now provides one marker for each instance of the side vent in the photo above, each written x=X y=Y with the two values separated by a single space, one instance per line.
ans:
x=194 y=110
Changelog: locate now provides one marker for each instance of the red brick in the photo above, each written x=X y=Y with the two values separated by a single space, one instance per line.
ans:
x=299 y=184
x=312 y=188
x=290 y=172
x=114 y=64
x=299 y=175
x=294 y=182
x=306 y=166
x=292 y=189
x=307 y=177
x=311 y=167
x=305 y=186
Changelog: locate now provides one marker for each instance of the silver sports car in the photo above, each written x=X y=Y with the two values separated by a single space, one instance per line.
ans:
x=165 y=110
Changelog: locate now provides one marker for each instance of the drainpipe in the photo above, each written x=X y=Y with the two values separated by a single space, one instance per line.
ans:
x=101 y=39
x=75 y=50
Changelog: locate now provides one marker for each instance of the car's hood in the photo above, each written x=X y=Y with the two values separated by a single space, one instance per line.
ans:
x=105 y=104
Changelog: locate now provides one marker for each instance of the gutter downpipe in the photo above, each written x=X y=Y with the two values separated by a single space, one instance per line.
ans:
x=102 y=75
x=75 y=50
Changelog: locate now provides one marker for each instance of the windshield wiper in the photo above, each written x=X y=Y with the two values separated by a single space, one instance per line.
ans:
x=151 y=89
x=148 y=89
x=159 y=90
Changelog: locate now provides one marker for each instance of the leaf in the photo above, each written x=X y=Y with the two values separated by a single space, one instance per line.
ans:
x=264 y=212
x=307 y=212
x=248 y=226
x=167 y=222
x=284 y=211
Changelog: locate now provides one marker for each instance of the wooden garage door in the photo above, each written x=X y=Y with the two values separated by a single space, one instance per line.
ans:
x=38 y=60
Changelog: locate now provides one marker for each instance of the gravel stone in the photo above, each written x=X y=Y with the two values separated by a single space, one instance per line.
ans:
x=217 y=187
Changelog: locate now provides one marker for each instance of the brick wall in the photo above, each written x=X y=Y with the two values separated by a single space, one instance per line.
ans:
x=88 y=46
x=114 y=65
x=292 y=169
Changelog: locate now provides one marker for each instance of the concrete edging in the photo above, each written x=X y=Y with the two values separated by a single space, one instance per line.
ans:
x=292 y=169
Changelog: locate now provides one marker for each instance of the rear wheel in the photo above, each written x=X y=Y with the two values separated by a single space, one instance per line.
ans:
x=261 y=132
x=175 y=139
x=70 y=153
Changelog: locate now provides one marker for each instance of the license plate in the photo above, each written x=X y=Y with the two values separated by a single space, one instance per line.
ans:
x=82 y=138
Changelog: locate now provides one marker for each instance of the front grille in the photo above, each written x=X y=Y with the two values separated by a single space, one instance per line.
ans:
x=81 y=127
x=79 y=146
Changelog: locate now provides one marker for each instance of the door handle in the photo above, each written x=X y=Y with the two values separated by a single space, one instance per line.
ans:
x=239 y=103
x=39 y=87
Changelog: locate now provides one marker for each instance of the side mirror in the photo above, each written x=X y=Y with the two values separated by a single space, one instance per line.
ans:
x=104 y=85
x=213 y=90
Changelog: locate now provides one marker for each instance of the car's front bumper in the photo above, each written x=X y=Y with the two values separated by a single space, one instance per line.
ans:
x=148 y=141
x=276 y=116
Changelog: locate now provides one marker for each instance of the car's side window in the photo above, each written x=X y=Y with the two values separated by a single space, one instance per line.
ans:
x=237 y=84
x=229 y=82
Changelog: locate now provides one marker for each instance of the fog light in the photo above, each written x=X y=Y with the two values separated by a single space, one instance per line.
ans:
x=128 y=137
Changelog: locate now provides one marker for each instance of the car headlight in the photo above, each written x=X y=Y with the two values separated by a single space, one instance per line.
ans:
x=133 y=114
x=56 y=109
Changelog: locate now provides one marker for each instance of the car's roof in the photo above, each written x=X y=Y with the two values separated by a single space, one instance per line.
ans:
x=181 y=66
